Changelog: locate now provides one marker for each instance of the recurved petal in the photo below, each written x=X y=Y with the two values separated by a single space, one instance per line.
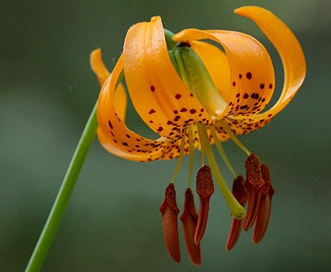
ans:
x=252 y=78
x=114 y=134
x=157 y=92
x=293 y=60
x=98 y=66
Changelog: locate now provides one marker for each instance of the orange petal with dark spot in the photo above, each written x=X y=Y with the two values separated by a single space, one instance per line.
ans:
x=189 y=220
x=169 y=211
x=204 y=188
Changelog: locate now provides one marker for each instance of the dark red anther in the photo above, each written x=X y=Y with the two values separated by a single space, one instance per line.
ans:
x=263 y=215
x=204 y=188
x=189 y=220
x=239 y=192
x=169 y=211
x=254 y=182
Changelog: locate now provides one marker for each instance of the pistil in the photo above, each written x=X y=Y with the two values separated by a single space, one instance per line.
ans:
x=237 y=211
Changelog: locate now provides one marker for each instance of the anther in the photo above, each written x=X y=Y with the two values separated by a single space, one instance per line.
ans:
x=254 y=182
x=169 y=211
x=189 y=220
x=263 y=215
x=239 y=192
x=204 y=188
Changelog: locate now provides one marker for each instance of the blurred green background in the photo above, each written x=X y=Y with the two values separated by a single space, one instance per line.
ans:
x=112 y=222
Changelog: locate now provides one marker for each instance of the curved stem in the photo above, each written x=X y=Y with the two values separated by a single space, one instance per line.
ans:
x=46 y=237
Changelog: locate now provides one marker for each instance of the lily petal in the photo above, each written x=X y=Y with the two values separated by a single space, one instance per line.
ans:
x=117 y=138
x=98 y=66
x=250 y=65
x=291 y=55
x=157 y=92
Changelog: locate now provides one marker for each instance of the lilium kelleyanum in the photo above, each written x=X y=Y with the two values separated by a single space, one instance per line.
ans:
x=193 y=94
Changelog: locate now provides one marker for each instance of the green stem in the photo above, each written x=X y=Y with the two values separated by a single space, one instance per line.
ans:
x=45 y=240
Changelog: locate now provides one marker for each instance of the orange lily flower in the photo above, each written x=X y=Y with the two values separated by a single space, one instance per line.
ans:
x=193 y=95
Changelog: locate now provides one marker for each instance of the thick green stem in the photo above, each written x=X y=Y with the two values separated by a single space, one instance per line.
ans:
x=62 y=199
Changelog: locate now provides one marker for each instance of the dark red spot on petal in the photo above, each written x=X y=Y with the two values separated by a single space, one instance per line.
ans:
x=261 y=86
x=192 y=111
x=110 y=125
x=178 y=96
x=152 y=88
x=152 y=111
x=249 y=75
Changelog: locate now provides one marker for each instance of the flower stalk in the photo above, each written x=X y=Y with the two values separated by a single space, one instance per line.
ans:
x=55 y=216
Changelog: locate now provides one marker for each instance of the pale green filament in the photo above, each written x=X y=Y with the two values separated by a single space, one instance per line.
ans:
x=237 y=210
x=234 y=137
x=191 y=150
x=221 y=151
x=180 y=159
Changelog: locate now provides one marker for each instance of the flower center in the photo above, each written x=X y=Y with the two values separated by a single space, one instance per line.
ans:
x=196 y=77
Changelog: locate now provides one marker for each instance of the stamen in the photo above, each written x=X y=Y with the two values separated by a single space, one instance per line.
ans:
x=221 y=151
x=239 y=191
x=204 y=188
x=180 y=159
x=253 y=183
x=237 y=210
x=169 y=211
x=191 y=150
x=189 y=220
x=234 y=137
x=263 y=216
